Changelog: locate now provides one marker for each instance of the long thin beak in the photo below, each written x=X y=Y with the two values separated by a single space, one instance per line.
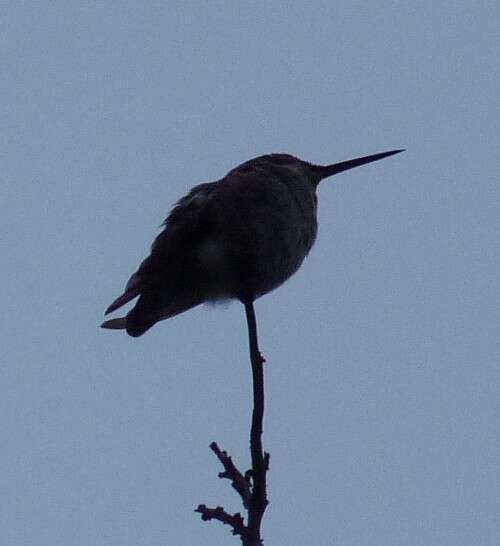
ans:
x=329 y=170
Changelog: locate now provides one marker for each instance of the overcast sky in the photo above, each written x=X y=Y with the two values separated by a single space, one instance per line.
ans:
x=382 y=372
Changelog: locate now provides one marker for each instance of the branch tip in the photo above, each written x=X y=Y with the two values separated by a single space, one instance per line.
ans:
x=251 y=486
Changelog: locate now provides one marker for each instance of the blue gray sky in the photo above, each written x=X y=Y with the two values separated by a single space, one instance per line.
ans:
x=383 y=375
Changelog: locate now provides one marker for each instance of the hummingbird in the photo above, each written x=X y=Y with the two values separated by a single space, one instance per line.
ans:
x=236 y=238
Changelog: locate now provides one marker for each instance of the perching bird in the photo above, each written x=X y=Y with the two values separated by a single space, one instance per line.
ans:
x=239 y=237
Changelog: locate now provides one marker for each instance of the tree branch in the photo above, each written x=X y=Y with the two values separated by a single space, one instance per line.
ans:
x=239 y=482
x=251 y=486
x=235 y=521
x=260 y=461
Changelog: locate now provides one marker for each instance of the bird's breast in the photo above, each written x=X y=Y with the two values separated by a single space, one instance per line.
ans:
x=285 y=240
x=260 y=241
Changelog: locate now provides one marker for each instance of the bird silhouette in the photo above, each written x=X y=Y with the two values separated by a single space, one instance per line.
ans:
x=237 y=238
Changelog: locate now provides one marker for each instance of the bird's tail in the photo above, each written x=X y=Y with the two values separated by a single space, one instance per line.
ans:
x=146 y=313
x=115 y=324
x=137 y=321
x=134 y=323
x=142 y=316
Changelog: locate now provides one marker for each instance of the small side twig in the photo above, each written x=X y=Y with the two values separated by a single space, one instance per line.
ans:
x=235 y=520
x=239 y=482
x=251 y=486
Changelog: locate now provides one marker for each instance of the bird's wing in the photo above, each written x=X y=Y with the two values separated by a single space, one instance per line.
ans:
x=172 y=247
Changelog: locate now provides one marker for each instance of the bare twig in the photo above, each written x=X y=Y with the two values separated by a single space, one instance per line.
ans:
x=251 y=486
x=260 y=461
x=239 y=482
x=235 y=520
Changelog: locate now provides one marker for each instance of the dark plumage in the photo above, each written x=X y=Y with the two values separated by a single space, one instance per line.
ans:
x=239 y=237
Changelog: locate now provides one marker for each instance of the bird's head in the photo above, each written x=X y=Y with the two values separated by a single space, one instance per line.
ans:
x=315 y=173
x=290 y=167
